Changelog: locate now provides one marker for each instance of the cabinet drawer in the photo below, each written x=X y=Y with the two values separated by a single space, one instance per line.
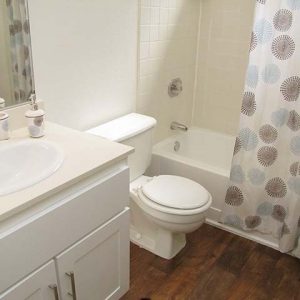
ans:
x=99 y=263
x=32 y=243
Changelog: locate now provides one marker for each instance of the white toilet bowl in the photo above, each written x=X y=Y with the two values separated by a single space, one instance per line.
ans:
x=172 y=205
x=163 y=208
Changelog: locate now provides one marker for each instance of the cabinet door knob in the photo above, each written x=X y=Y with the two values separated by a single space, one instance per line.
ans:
x=72 y=276
x=55 y=290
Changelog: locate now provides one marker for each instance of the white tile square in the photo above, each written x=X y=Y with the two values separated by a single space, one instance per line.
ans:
x=155 y=15
x=145 y=3
x=172 y=3
x=144 y=50
x=144 y=33
x=155 y=3
x=173 y=16
x=145 y=15
x=163 y=33
x=145 y=67
x=158 y=49
x=163 y=15
x=154 y=36
x=165 y=3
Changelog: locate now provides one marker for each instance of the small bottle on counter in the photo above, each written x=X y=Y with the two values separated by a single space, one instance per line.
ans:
x=35 y=119
x=4 y=126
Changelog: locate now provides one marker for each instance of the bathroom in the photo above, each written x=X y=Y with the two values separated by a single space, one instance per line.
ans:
x=215 y=127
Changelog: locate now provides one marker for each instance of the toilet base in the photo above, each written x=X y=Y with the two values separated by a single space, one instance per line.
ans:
x=160 y=231
x=162 y=242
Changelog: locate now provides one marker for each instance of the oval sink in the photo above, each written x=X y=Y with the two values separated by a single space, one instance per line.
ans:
x=27 y=162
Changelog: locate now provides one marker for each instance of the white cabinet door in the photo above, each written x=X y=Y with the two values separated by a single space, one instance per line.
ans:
x=40 y=285
x=97 y=267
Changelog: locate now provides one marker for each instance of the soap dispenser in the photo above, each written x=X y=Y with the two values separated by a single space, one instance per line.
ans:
x=35 y=119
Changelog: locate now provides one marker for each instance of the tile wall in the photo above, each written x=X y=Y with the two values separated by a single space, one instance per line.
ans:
x=225 y=30
x=168 y=45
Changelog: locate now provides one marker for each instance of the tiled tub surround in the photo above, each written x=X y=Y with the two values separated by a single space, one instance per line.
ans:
x=224 y=38
x=177 y=35
x=168 y=45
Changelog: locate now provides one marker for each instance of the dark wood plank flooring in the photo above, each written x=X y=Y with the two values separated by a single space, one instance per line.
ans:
x=215 y=265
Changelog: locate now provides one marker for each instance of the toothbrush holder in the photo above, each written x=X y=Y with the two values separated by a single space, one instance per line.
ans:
x=36 y=123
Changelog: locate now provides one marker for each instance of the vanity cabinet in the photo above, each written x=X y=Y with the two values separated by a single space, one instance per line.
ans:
x=94 y=268
x=75 y=246
x=40 y=285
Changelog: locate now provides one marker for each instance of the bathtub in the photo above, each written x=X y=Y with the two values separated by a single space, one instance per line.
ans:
x=204 y=156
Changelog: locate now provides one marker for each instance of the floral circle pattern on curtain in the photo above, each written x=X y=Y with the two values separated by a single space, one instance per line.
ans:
x=264 y=189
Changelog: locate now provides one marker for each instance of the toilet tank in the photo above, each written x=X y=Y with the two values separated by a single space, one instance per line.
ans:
x=134 y=130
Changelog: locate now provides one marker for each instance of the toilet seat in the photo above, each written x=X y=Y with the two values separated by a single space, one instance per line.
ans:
x=166 y=193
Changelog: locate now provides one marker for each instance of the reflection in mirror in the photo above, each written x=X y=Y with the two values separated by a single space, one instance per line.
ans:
x=16 y=72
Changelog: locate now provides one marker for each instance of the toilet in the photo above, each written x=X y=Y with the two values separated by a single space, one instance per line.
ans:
x=163 y=208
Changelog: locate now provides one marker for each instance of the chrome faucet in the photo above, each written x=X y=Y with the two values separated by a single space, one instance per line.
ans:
x=178 y=126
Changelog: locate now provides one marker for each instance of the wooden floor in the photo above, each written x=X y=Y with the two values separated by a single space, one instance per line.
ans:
x=215 y=265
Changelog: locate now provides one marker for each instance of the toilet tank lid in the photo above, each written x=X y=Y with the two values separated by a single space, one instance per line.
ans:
x=124 y=127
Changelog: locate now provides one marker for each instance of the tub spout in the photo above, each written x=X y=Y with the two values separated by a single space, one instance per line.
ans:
x=178 y=126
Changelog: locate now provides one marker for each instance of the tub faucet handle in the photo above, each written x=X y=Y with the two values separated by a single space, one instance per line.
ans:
x=175 y=87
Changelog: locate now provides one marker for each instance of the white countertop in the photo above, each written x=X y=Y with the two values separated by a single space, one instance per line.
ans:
x=85 y=155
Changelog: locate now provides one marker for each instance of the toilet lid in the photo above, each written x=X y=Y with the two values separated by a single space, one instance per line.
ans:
x=176 y=192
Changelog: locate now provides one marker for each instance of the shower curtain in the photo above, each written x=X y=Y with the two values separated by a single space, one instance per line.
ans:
x=264 y=188
x=19 y=37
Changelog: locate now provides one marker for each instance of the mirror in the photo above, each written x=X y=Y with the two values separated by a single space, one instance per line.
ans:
x=16 y=71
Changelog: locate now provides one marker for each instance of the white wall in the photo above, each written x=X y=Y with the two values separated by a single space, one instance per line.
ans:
x=84 y=56
x=168 y=47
